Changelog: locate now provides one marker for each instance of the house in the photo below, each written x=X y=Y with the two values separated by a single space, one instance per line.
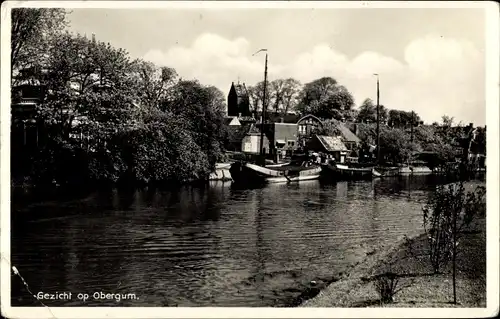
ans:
x=25 y=131
x=351 y=140
x=251 y=141
x=330 y=145
x=282 y=139
x=238 y=101
x=306 y=127
x=235 y=136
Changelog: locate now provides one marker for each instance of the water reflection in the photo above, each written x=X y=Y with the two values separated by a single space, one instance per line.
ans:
x=212 y=246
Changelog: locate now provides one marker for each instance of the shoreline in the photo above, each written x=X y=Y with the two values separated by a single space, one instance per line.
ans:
x=424 y=289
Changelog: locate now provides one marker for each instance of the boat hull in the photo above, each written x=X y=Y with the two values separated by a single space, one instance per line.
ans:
x=339 y=172
x=245 y=173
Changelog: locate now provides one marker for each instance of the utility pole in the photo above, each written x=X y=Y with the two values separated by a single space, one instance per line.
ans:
x=378 y=120
x=264 y=106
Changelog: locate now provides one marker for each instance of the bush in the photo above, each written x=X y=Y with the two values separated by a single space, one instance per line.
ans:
x=387 y=286
x=448 y=213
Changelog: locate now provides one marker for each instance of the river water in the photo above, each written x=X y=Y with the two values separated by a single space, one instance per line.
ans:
x=212 y=246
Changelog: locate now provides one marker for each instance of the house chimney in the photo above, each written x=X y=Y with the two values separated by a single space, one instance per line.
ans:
x=239 y=115
x=93 y=37
x=282 y=119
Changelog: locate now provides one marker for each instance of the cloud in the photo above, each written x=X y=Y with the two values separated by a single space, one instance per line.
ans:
x=438 y=75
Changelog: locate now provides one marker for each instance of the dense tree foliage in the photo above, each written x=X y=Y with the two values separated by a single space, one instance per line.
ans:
x=403 y=119
x=325 y=98
x=368 y=112
x=109 y=118
x=31 y=29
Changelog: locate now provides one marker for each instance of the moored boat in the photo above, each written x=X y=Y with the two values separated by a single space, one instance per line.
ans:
x=343 y=172
x=249 y=173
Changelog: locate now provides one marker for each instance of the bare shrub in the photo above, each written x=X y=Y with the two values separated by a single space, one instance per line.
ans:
x=450 y=211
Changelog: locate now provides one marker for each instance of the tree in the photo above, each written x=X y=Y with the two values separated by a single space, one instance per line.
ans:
x=447 y=120
x=403 y=119
x=322 y=96
x=256 y=96
x=201 y=108
x=330 y=128
x=395 y=145
x=288 y=95
x=87 y=81
x=368 y=112
x=31 y=29
x=154 y=84
x=447 y=214
x=281 y=95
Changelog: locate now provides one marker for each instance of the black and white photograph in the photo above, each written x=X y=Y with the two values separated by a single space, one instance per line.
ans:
x=260 y=159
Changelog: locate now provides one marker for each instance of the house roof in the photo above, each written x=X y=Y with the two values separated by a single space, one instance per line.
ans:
x=228 y=120
x=253 y=130
x=331 y=143
x=309 y=116
x=273 y=117
x=348 y=135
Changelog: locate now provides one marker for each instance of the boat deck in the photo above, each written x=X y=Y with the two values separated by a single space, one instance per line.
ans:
x=291 y=168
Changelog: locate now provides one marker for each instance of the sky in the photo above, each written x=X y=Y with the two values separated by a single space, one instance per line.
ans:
x=431 y=61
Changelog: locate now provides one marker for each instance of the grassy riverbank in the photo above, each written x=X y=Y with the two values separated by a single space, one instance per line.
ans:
x=422 y=288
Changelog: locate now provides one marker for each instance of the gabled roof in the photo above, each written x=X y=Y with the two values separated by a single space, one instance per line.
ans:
x=253 y=130
x=229 y=119
x=348 y=135
x=305 y=117
x=331 y=143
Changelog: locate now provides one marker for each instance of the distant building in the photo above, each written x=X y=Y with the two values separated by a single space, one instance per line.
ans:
x=238 y=101
x=282 y=138
x=330 y=145
x=251 y=141
x=351 y=140
x=307 y=126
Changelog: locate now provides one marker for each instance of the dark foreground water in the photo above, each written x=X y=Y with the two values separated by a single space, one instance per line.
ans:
x=216 y=246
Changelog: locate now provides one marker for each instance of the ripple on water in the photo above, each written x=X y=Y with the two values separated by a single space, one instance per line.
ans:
x=208 y=247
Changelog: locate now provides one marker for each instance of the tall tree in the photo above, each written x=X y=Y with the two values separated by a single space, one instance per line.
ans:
x=201 y=108
x=368 y=112
x=403 y=119
x=325 y=98
x=447 y=120
x=290 y=95
x=154 y=84
x=31 y=29
x=256 y=96
x=90 y=80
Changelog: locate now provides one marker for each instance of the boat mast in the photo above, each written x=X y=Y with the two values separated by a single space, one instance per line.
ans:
x=264 y=106
x=411 y=127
